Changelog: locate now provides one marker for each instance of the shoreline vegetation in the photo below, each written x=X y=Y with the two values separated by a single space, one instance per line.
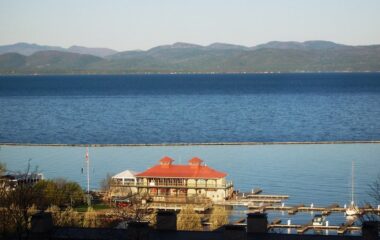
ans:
x=186 y=144
x=271 y=57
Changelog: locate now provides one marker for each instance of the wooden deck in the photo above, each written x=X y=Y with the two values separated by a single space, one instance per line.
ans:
x=178 y=207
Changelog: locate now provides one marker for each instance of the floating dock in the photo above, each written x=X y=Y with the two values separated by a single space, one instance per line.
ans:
x=302 y=208
x=304 y=228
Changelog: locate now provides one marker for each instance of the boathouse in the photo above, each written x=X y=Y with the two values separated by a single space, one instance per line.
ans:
x=125 y=178
x=192 y=180
x=124 y=184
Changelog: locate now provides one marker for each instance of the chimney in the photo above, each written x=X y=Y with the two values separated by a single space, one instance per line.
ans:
x=195 y=162
x=166 y=162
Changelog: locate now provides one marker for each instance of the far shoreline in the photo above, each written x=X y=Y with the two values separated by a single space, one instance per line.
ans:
x=185 y=144
x=184 y=73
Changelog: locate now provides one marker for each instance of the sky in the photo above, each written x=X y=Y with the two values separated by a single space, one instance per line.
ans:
x=142 y=24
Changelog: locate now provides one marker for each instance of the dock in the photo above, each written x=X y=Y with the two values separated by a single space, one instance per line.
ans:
x=302 y=208
x=253 y=199
x=304 y=228
x=295 y=209
x=258 y=202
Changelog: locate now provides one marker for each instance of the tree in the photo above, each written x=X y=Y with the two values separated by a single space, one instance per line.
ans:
x=374 y=193
x=374 y=190
x=219 y=217
x=136 y=211
x=106 y=187
x=188 y=219
x=2 y=168
x=106 y=183
x=59 y=192
x=15 y=203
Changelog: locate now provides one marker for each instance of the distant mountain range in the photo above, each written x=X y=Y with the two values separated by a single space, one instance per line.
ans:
x=310 y=56
x=28 y=49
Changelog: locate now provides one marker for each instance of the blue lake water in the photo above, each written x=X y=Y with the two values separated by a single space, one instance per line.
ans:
x=190 y=108
x=203 y=108
x=308 y=173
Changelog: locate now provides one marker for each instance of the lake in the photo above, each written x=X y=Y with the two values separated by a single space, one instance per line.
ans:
x=203 y=108
x=190 y=108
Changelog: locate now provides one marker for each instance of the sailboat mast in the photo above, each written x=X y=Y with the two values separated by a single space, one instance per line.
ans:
x=88 y=169
x=352 y=184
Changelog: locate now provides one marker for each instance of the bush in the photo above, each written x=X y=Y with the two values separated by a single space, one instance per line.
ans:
x=218 y=218
x=66 y=218
x=89 y=220
x=188 y=219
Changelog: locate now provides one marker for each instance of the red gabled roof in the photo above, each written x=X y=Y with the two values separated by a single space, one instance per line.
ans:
x=182 y=171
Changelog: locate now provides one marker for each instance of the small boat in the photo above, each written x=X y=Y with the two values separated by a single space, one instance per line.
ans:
x=353 y=209
x=319 y=220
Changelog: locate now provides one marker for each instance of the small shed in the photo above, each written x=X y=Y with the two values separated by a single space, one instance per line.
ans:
x=125 y=178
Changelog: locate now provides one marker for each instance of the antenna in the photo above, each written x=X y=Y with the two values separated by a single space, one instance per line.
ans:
x=352 y=184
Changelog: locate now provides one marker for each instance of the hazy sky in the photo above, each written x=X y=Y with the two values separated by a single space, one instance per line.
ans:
x=141 y=24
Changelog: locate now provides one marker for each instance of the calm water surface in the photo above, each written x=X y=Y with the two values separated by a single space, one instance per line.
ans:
x=203 y=108
x=189 y=108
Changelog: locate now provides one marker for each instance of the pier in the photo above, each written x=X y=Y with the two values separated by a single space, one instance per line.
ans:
x=302 y=208
x=253 y=198
x=301 y=229
x=257 y=202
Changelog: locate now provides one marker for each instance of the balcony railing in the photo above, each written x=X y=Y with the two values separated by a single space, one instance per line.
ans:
x=173 y=185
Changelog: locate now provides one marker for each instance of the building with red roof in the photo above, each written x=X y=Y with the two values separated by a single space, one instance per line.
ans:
x=193 y=179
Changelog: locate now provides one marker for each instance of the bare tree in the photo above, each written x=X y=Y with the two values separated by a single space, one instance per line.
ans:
x=15 y=202
x=137 y=211
x=106 y=183
x=374 y=193
x=374 y=190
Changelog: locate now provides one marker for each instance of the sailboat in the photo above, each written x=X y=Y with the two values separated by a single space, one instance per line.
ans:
x=353 y=209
